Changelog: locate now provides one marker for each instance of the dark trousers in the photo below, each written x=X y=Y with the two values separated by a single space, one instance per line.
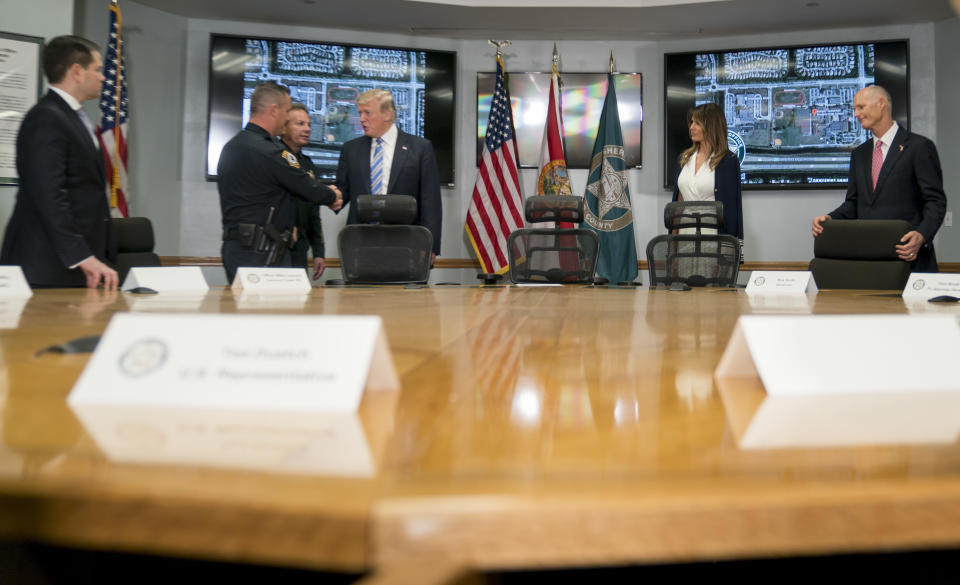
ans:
x=234 y=255
x=926 y=260
x=298 y=254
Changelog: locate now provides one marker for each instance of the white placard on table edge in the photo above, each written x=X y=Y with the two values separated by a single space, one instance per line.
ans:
x=13 y=284
x=821 y=354
x=781 y=282
x=301 y=363
x=162 y=279
x=271 y=279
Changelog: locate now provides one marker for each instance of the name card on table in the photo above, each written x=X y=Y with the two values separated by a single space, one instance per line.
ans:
x=923 y=285
x=826 y=354
x=13 y=284
x=301 y=363
x=785 y=282
x=269 y=280
x=178 y=279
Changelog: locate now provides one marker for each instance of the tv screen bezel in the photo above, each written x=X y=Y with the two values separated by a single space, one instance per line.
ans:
x=899 y=85
x=445 y=153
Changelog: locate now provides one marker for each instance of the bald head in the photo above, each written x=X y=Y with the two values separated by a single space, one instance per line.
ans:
x=872 y=108
x=878 y=92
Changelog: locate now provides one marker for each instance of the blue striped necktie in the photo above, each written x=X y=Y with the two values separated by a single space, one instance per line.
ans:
x=376 y=169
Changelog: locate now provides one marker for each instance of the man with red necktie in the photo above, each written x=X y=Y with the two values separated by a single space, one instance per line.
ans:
x=896 y=175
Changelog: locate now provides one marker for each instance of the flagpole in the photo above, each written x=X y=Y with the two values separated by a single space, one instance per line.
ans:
x=116 y=126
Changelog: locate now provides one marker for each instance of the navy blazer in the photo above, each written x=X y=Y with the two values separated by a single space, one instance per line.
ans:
x=910 y=187
x=726 y=189
x=61 y=216
x=412 y=172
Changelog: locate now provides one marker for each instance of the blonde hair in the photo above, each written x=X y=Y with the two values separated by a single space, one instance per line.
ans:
x=709 y=117
x=381 y=95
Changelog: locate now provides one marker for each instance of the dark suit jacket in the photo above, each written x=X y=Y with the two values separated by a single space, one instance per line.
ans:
x=726 y=189
x=61 y=216
x=910 y=187
x=413 y=172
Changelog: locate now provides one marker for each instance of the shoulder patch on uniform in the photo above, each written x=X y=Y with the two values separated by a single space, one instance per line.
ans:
x=291 y=159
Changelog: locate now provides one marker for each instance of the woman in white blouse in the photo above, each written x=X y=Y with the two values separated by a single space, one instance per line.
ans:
x=708 y=170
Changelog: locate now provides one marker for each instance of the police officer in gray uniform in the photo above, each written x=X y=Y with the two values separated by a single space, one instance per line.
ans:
x=256 y=177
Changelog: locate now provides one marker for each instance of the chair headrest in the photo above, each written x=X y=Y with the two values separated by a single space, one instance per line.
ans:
x=568 y=208
x=693 y=214
x=394 y=209
x=860 y=239
x=133 y=234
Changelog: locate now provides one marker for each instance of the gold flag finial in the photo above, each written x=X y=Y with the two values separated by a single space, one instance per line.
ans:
x=499 y=45
x=611 y=62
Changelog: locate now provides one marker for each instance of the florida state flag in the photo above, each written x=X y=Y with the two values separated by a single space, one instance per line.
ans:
x=553 y=178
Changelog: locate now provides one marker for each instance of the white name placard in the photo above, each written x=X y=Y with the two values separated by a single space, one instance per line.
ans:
x=302 y=363
x=924 y=285
x=162 y=279
x=781 y=282
x=844 y=353
x=278 y=442
x=13 y=284
x=268 y=280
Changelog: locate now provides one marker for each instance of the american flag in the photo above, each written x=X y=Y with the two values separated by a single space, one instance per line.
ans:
x=113 y=117
x=495 y=209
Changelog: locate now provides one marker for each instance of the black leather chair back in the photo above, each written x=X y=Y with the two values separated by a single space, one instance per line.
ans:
x=135 y=243
x=860 y=254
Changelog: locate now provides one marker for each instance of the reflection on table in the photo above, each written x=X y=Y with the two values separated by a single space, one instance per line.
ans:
x=551 y=426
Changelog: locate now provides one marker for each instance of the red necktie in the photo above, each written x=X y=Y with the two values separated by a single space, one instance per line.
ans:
x=877 y=163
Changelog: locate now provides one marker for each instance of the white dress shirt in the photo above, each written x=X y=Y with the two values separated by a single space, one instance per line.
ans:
x=696 y=185
x=886 y=140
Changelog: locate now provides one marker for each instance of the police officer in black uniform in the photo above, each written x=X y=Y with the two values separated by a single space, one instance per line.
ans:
x=256 y=177
x=309 y=227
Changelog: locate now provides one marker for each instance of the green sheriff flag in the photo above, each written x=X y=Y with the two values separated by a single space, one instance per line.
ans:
x=608 y=211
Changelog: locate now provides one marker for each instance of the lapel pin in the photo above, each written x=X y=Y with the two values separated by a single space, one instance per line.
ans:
x=404 y=147
x=901 y=148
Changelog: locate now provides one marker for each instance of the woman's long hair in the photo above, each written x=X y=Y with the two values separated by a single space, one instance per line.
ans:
x=710 y=117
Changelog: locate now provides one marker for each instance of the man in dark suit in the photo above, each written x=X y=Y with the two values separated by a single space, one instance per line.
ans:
x=60 y=231
x=894 y=176
x=407 y=164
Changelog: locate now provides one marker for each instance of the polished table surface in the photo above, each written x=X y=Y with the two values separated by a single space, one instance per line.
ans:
x=535 y=427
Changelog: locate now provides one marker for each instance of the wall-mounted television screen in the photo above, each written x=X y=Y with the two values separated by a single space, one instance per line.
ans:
x=327 y=78
x=581 y=98
x=789 y=110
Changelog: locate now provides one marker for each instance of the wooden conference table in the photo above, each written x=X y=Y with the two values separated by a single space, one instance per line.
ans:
x=536 y=427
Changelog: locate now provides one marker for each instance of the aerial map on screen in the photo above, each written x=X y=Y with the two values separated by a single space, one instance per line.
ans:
x=328 y=78
x=789 y=111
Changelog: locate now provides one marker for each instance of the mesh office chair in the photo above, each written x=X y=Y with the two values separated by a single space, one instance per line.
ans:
x=134 y=239
x=385 y=249
x=557 y=254
x=860 y=253
x=693 y=253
